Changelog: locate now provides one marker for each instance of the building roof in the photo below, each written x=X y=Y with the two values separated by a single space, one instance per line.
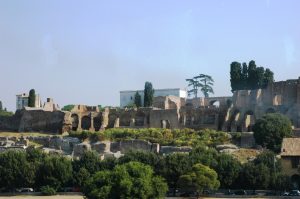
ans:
x=290 y=147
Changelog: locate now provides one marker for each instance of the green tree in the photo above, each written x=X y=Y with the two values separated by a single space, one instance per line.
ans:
x=130 y=180
x=90 y=161
x=244 y=76
x=137 y=100
x=15 y=170
x=268 y=77
x=206 y=83
x=259 y=76
x=68 y=107
x=252 y=75
x=148 y=94
x=55 y=171
x=31 y=98
x=200 y=178
x=228 y=169
x=1 y=108
x=195 y=84
x=256 y=176
x=271 y=129
x=173 y=166
x=149 y=158
x=235 y=76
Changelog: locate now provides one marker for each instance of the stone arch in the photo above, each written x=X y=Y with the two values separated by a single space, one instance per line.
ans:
x=85 y=122
x=215 y=103
x=97 y=123
x=139 y=119
x=295 y=180
x=249 y=120
x=233 y=125
x=165 y=124
x=75 y=122
x=270 y=110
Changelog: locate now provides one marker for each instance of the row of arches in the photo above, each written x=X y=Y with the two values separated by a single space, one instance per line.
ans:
x=244 y=123
x=86 y=122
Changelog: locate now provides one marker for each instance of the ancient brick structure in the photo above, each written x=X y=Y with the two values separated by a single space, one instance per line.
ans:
x=237 y=113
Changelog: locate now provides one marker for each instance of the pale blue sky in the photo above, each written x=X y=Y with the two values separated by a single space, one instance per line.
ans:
x=87 y=51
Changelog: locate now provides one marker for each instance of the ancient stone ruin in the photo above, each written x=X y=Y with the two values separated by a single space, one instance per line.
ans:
x=232 y=114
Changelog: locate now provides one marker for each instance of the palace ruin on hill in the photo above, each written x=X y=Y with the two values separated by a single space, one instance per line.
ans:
x=234 y=114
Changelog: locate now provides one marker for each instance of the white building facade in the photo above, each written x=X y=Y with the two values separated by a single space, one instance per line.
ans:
x=22 y=101
x=127 y=97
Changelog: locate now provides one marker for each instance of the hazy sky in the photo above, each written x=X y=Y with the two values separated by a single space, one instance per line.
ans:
x=85 y=52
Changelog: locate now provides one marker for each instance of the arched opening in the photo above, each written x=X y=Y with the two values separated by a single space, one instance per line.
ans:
x=139 y=119
x=75 y=121
x=86 y=123
x=165 y=124
x=97 y=123
x=215 y=103
x=295 y=180
x=233 y=122
x=125 y=119
x=249 y=120
x=270 y=110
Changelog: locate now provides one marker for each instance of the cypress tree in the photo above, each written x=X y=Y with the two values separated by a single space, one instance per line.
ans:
x=268 y=77
x=137 y=99
x=235 y=76
x=244 y=76
x=252 y=76
x=1 y=108
x=148 y=94
x=31 y=99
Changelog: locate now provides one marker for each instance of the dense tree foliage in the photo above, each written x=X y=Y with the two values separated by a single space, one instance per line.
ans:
x=31 y=98
x=54 y=171
x=148 y=94
x=100 y=178
x=228 y=169
x=137 y=100
x=202 y=81
x=1 y=108
x=129 y=180
x=200 y=178
x=243 y=77
x=15 y=170
x=68 y=107
x=271 y=129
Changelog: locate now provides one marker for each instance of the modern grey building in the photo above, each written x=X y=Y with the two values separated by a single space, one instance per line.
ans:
x=127 y=97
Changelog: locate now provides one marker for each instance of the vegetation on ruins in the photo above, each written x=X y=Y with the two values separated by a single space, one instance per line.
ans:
x=129 y=180
x=31 y=98
x=243 y=77
x=148 y=94
x=270 y=130
x=137 y=100
x=173 y=137
x=68 y=107
x=202 y=81
x=4 y=112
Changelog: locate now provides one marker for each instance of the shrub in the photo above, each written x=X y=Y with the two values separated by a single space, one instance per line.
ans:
x=48 y=191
